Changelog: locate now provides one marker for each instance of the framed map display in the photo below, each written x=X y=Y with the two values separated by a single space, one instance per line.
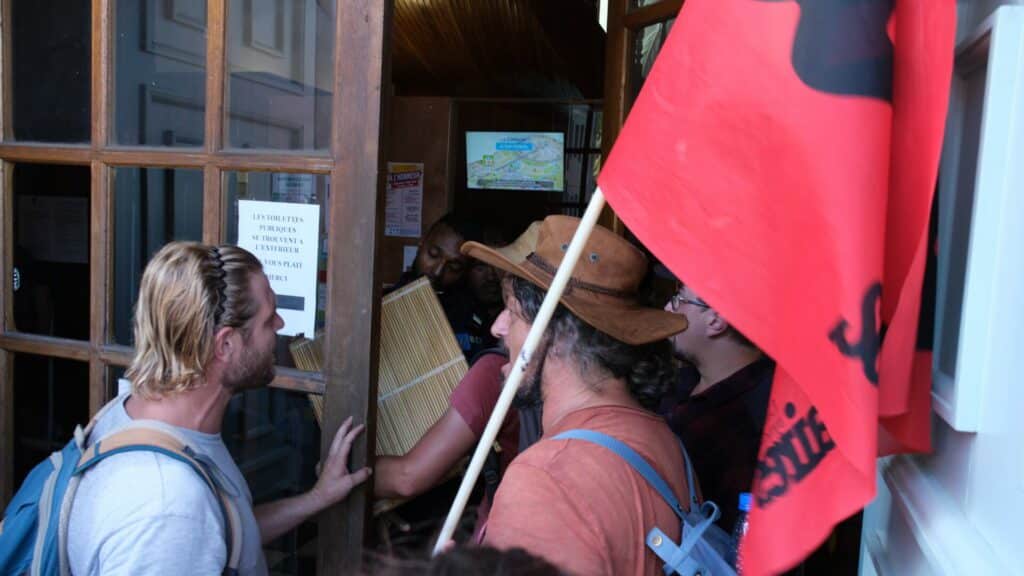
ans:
x=515 y=161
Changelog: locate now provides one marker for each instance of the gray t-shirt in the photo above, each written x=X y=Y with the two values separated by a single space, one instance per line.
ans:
x=146 y=513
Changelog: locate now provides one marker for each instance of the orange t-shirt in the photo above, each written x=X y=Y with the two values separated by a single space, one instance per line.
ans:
x=581 y=506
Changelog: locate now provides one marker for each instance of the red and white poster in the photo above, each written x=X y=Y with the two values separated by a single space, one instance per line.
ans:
x=403 y=209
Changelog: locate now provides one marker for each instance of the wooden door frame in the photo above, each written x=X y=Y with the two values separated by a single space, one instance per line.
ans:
x=362 y=63
x=623 y=24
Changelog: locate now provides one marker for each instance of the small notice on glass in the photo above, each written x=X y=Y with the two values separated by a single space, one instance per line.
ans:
x=409 y=257
x=285 y=237
x=403 y=210
x=296 y=188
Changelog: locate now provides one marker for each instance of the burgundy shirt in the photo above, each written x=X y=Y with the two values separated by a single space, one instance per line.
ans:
x=721 y=429
x=474 y=399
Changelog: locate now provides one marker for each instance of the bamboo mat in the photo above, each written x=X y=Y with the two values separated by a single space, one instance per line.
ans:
x=308 y=355
x=420 y=364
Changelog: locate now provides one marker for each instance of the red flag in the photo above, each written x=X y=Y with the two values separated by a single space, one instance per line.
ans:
x=781 y=160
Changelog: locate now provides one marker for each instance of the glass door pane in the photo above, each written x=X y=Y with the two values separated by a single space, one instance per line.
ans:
x=272 y=433
x=280 y=77
x=152 y=206
x=160 y=72
x=647 y=42
x=52 y=398
x=50 y=70
x=51 y=250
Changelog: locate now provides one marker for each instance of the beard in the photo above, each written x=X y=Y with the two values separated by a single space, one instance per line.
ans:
x=529 y=393
x=251 y=372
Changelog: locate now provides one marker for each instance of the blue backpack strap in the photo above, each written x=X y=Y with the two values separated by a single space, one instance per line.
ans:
x=677 y=558
x=691 y=483
x=635 y=460
x=142 y=436
x=47 y=498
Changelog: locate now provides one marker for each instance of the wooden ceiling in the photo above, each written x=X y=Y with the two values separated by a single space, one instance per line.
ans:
x=498 y=48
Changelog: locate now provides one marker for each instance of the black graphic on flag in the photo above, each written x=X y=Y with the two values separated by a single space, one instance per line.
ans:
x=866 y=349
x=842 y=46
x=792 y=456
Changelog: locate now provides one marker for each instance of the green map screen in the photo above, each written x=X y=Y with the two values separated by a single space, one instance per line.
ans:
x=516 y=160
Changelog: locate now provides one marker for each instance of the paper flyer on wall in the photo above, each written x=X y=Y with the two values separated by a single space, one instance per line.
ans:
x=403 y=210
x=285 y=237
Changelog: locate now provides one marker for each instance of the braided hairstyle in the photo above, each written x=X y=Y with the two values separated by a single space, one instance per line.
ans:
x=188 y=291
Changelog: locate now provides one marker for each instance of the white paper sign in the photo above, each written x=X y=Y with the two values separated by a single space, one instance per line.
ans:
x=285 y=238
x=408 y=257
x=403 y=209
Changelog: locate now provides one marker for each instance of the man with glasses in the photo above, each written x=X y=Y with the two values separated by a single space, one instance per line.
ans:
x=721 y=411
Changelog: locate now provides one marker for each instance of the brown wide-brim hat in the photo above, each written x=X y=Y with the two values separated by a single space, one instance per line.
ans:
x=603 y=288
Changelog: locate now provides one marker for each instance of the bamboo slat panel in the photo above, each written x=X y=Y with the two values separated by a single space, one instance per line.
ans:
x=308 y=355
x=420 y=365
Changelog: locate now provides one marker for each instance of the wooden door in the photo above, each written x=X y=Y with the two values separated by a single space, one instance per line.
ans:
x=129 y=124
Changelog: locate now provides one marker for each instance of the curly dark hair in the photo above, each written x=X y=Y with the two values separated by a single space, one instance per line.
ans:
x=650 y=370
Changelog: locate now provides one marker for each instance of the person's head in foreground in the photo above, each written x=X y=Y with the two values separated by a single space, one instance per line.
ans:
x=204 y=312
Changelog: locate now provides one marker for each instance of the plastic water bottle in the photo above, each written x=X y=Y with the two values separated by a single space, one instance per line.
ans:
x=740 y=530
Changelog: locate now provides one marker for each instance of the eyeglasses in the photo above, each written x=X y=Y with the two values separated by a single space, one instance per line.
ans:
x=678 y=299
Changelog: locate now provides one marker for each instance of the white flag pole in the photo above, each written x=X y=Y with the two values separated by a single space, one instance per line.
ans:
x=540 y=323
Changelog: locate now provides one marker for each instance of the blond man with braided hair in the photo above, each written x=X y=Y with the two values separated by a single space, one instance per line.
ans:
x=205 y=328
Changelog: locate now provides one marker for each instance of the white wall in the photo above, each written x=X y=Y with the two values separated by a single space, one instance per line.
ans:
x=960 y=510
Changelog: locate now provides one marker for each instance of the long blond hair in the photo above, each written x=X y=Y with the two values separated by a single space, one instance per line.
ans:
x=188 y=291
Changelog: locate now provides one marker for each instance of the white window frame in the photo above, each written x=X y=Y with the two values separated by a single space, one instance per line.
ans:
x=994 y=274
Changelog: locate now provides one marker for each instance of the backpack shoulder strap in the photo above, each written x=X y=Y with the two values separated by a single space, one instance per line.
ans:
x=691 y=481
x=142 y=436
x=677 y=558
x=632 y=458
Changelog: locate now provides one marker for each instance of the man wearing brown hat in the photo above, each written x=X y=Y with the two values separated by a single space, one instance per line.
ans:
x=604 y=362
